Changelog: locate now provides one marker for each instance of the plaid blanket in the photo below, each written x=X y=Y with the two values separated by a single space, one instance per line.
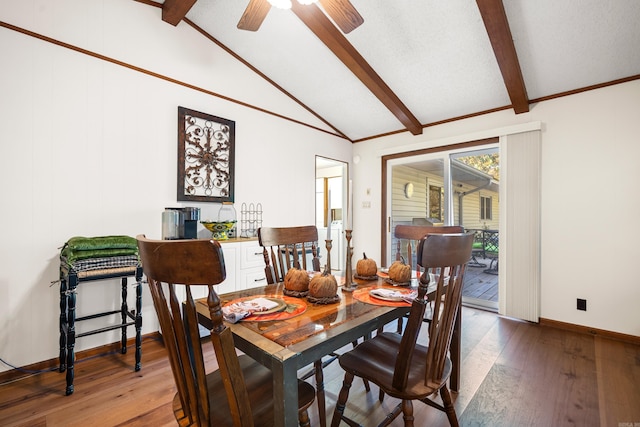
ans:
x=101 y=263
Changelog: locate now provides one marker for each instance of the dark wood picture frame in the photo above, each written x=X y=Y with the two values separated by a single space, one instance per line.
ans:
x=206 y=157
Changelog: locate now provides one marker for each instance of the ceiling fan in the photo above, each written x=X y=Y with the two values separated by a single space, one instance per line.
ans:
x=341 y=12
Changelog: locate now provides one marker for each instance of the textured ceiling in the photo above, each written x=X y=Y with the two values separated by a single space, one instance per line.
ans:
x=436 y=56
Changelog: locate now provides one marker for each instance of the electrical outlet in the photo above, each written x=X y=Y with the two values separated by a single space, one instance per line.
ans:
x=366 y=204
x=581 y=304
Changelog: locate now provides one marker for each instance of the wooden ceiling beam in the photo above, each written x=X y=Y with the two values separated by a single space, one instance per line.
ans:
x=323 y=28
x=174 y=11
x=497 y=25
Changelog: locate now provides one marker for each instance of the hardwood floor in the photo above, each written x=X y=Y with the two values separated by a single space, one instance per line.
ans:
x=513 y=374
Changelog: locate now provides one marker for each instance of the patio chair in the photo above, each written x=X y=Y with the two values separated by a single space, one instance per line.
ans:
x=478 y=248
x=485 y=245
x=492 y=250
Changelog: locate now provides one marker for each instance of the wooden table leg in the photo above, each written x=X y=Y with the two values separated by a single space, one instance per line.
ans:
x=285 y=390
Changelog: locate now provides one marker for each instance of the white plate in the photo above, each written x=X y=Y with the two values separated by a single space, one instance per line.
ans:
x=392 y=297
x=281 y=306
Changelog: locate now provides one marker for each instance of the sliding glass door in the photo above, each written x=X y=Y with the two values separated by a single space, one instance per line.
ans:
x=452 y=188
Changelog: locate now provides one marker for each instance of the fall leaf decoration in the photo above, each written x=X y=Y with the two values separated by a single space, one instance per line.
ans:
x=366 y=267
x=400 y=271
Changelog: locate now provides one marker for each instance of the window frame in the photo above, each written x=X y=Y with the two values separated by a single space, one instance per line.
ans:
x=486 y=208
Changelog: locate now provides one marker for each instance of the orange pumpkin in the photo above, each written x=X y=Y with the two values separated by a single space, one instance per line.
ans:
x=400 y=271
x=323 y=285
x=296 y=280
x=366 y=267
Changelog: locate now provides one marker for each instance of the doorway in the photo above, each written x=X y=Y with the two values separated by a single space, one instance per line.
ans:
x=452 y=187
x=331 y=201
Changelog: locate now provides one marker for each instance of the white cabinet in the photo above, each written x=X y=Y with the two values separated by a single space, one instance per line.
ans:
x=252 y=278
x=244 y=263
x=251 y=266
x=231 y=266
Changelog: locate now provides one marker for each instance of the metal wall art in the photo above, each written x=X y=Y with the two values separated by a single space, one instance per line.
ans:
x=206 y=156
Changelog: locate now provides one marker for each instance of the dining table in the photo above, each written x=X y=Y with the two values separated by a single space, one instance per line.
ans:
x=292 y=338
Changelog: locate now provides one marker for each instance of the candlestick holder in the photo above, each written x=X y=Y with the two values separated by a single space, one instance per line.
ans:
x=349 y=285
x=328 y=245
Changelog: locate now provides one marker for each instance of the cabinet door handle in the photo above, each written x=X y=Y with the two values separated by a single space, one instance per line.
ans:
x=257 y=253
x=260 y=279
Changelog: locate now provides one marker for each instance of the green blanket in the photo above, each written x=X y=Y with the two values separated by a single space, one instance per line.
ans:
x=79 y=248
x=79 y=243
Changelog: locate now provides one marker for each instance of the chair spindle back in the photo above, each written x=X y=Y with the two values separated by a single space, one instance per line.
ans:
x=412 y=235
x=193 y=263
x=287 y=247
x=445 y=257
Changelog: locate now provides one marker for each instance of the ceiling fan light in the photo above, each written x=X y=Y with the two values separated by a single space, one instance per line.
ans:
x=305 y=2
x=281 y=4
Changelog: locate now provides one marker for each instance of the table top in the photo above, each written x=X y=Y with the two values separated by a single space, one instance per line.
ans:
x=319 y=327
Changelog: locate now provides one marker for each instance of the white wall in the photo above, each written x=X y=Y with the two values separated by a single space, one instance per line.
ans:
x=88 y=147
x=590 y=202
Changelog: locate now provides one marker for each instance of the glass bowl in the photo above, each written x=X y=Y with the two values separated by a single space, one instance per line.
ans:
x=218 y=230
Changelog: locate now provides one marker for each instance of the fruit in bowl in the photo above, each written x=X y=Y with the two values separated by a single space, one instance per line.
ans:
x=218 y=229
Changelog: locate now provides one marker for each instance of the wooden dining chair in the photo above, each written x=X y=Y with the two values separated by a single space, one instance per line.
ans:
x=240 y=391
x=407 y=240
x=400 y=366
x=282 y=250
x=410 y=235
x=287 y=247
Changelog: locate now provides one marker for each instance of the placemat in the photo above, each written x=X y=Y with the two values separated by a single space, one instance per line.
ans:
x=362 y=295
x=295 y=306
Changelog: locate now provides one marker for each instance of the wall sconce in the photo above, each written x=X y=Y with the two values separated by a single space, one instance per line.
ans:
x=408 y=190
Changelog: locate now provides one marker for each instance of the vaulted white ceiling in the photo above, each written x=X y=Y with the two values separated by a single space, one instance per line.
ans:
x=435 y=56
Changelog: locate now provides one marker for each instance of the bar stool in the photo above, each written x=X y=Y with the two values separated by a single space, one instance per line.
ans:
x=69 y=281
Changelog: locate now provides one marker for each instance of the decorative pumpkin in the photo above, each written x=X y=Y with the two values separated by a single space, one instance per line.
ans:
x=296 y=280
x=400 y=271
x=323 y=285
x=366 y=267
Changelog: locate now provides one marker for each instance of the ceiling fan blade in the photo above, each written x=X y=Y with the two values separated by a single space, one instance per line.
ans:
x=343 y=14
x=254 y=14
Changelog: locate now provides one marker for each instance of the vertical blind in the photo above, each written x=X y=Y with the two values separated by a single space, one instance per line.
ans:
x=520 y=156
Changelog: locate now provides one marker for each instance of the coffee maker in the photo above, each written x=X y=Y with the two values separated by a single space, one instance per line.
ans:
x=180 y=223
